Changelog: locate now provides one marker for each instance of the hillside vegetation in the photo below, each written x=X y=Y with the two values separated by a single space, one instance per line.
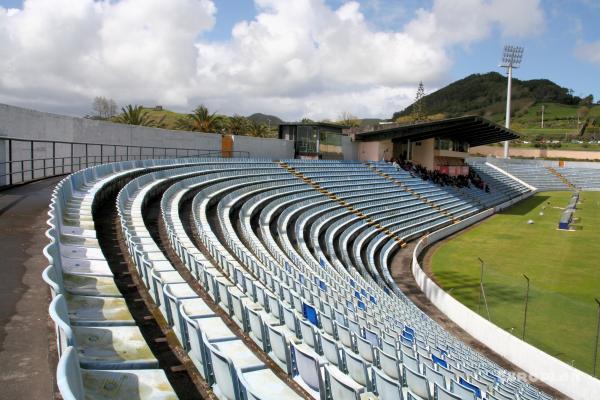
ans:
x=260 y=125
x=485 y=95
x=569 y=121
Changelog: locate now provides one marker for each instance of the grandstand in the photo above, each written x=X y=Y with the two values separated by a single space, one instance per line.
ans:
x=291 y=252
x=249 y=278
x=539 y=176
x=546 y=175
x=582 y=178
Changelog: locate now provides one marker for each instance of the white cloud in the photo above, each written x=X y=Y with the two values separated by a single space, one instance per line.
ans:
x=463 y=22
x=295 y=58
x=132 y=50
x=588 y=51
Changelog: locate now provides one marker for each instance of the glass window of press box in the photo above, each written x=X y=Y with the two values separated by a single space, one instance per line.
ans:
x=314 y=141
x=451 y=145
x=330 y=144
x=307 y=140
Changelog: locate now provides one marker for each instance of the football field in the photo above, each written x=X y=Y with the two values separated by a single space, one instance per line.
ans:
x=563 y=267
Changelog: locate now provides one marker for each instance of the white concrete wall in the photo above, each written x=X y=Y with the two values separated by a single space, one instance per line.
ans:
x=23 y=123
x=368 y=151
x=539 y=365
x=29 y=124
x=423 y=154
x=582 y=164
x=275 y=149
x=386 y=150
x=349 y=148
x=536 y=153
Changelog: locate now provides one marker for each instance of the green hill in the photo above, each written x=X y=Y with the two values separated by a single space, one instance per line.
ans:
x=485 y=95
x=269 y=120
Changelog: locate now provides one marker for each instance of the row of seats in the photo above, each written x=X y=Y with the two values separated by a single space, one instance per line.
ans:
x=543 y=178
x=502 y=187
x=582 y=178
x=292 y=255
x=102 y=352
x=280 y=233
x=446 y=197
x=297 y=258
x=536 y=175
x=221 y=357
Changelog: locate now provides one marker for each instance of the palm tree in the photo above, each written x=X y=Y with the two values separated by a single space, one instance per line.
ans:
x=136 y=115
x=258 y=129
x=237 y=125
x=200 y=121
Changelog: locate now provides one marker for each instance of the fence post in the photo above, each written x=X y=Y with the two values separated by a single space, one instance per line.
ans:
x=31 y=158
x=3 y=163
x=596 y=341
x=53 y=160
x=526 y=304
x=10 y=162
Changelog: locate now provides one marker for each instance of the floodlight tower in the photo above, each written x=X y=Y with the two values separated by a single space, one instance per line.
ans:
x=511 y=58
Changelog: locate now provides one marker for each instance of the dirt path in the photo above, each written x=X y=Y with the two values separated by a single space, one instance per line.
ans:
x=28 y=348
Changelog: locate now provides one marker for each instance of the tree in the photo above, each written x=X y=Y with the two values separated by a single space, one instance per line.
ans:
x=306 y=121
x=200 y=121
x=97 y=106
x=237 y=125
x=419 y=112
x=104 y=108
x=583 y=119
x=587 y=101
x=347 y=119
x=136 y=115
x=583 y=112
x=111 y=109
x=257 y=129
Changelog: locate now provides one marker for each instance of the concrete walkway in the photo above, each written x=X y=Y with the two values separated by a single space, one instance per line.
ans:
x=27 y=348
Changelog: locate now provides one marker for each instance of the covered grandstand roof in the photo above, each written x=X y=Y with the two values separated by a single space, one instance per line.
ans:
x=475 y=130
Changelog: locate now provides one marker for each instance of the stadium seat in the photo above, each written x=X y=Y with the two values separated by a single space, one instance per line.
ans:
x=75 y=383
x=101 y=347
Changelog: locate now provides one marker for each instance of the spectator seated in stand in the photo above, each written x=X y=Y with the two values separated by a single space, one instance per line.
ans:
x=441 y=178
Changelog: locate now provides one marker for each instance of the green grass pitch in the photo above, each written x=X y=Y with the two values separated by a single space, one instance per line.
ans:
x=564 y=268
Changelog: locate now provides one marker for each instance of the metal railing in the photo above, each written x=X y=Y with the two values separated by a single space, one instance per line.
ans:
x=21 y=164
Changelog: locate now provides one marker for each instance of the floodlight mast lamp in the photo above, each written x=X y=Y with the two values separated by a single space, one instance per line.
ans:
x=511 y=58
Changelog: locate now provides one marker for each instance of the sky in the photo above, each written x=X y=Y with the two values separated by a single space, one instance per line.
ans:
x=290 y=58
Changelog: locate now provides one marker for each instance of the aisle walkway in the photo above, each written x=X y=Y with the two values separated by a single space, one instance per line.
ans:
x=25 y=331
